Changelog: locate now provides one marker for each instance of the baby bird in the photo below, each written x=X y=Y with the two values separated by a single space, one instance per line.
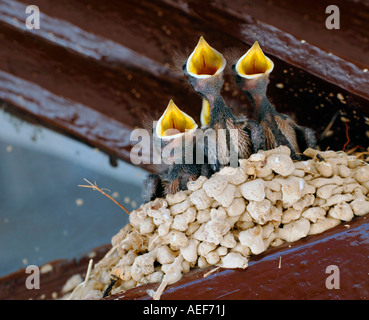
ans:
x=173 y=140
x=229 y=135
x=252 y=76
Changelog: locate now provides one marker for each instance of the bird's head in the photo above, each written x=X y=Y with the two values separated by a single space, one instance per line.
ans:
x=205 y=68
x=252 y=70
x=174 y=123
x=173 y=128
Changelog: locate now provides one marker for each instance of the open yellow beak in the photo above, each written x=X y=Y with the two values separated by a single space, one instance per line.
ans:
x=254 y=63
x=205 y=113
x=205 y=61
x=174 y=123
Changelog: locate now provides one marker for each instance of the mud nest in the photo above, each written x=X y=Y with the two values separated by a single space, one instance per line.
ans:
x=222 y=221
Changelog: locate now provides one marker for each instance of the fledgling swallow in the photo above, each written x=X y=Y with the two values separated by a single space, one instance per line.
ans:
x=174 y=134
x=205 y=67
x=252 y=76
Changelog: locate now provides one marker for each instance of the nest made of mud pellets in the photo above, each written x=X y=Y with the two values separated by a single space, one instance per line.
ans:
x=222 y=221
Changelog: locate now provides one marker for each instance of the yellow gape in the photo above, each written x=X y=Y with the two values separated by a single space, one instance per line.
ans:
x=174 y=122
x=205 y=61
x=254 y=63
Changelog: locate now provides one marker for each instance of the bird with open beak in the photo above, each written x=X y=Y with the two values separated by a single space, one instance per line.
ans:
x=173 y=140
x=252 y=76
x=204 y=68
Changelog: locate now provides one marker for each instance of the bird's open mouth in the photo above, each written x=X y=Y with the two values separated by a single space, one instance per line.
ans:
x=205 y=61
x=174 y=123
x=254 y=63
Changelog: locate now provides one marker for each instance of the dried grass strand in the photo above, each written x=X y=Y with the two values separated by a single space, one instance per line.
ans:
x=95 y=187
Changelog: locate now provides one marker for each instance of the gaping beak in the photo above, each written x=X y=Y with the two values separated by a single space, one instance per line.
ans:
x=174 y=123
x=205 y=115
x=254 y=63
x=205 y=61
